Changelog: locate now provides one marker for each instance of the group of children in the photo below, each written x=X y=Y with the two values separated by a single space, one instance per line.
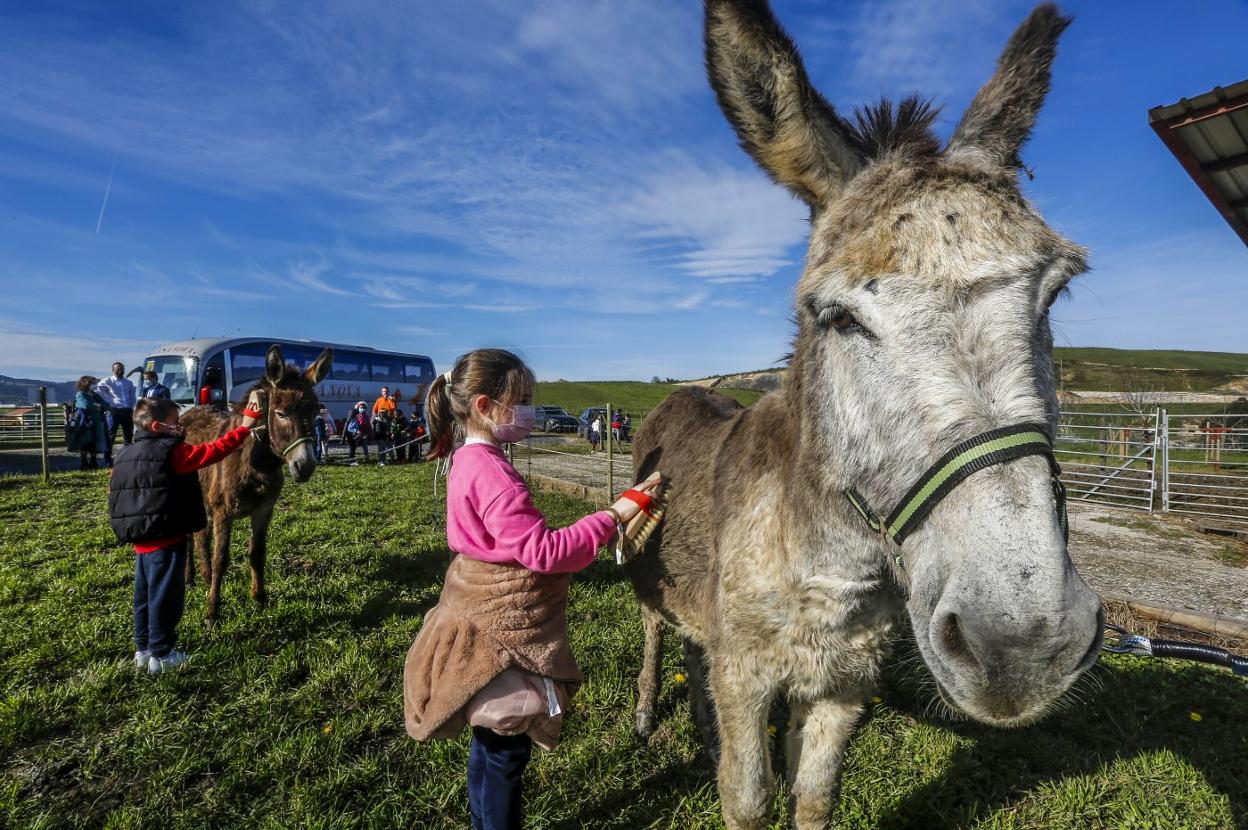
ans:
x=493 y=655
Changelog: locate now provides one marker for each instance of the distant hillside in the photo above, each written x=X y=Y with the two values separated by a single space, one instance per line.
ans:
x=1151 y=370
x=632 y=396
x=1090 y=369
x=18 y=391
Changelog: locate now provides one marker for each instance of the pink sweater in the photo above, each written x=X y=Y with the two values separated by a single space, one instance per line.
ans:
x=490 y=516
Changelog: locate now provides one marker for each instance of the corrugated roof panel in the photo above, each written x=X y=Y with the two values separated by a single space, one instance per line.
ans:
x=1208 y=134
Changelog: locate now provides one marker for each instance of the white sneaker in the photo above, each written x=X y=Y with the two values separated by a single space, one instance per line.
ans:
x=175 y=658
x=354 y=464
x=140 y=660
x=381 y=463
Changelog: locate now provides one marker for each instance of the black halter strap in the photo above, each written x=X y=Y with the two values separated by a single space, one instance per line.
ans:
x=971 y=456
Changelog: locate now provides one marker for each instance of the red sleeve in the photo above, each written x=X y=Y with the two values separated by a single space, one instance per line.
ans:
x=187 y=458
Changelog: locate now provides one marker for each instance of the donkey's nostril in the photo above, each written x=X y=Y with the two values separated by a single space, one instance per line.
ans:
x=952 y=639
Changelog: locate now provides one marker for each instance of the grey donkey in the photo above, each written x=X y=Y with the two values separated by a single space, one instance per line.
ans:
x=923 y=320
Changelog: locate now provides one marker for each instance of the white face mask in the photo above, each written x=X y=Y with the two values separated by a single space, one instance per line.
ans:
x=523 y=418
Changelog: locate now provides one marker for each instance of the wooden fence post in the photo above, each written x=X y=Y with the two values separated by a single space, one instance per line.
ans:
x=43 y=432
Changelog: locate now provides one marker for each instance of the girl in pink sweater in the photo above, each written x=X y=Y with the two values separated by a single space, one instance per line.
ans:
x=511 y=567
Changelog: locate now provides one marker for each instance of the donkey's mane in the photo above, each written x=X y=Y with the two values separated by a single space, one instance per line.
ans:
x=883 y=127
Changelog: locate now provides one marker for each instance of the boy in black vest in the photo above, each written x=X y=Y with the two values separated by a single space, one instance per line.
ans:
x=154 y=502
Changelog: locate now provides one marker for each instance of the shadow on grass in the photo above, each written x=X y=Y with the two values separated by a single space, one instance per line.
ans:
x=647 y=801
x=1142 y=708
x=398 y=575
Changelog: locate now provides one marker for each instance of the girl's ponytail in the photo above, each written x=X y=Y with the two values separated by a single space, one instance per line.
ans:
x=440 y=418
x=494 y=372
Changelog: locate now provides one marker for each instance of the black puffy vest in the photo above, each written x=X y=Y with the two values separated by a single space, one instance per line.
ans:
x=146 y=499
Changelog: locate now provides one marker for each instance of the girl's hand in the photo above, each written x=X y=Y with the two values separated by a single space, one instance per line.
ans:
x=627 y=509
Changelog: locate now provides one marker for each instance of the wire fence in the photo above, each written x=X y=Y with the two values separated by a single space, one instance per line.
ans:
x=1193 y=464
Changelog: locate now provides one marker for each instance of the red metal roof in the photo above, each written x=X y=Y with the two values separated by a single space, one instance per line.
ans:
x=1208 y=134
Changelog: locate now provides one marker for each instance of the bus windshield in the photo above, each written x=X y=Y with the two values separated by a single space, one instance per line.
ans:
x=177 y=373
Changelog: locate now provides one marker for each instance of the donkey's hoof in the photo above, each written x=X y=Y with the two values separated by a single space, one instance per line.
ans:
x=645 y=726
x=211 y=623
x=262 y=599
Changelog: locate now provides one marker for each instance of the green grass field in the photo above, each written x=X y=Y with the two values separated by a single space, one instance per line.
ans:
x=632 y=396
x=290 y=716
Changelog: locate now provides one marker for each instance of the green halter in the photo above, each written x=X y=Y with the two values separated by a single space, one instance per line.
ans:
x=972 y=455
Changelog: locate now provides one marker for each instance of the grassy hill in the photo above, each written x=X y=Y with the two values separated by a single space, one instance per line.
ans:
x=633 y=397
x=1117 y=370
x=1151 y=370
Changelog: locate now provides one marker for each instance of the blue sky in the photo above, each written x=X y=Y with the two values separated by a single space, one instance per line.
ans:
x=553 y=177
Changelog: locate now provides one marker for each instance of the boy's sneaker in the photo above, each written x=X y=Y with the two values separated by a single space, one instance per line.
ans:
x=175 y=658
x=141 y=659
x=354 y=464
x=381 y=463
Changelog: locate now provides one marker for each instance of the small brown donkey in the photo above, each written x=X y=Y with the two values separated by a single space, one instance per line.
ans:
x=923 y=326
x=248 y=482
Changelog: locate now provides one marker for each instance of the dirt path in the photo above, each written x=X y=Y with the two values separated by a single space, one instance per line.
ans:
x=1161 y=560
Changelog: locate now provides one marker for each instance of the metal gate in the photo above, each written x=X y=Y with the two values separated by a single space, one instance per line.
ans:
x=1109 y=457
x=1205 y=466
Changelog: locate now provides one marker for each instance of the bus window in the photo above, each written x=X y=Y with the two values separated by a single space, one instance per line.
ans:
x=177 y=373
x=301 y=356
x=247 y=363
x=212 y=384
x=350 y=366
x=421 y=372
x=387 y=369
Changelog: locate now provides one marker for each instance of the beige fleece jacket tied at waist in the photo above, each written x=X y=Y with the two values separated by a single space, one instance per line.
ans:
x=489 y=618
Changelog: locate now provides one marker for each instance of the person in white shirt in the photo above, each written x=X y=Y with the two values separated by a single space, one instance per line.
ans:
x=118 y=394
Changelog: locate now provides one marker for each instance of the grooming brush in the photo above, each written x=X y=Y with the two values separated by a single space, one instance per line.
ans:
x=632 y=540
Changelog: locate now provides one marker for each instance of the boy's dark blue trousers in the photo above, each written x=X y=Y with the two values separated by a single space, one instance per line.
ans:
x=159 y=595
x=495 y=766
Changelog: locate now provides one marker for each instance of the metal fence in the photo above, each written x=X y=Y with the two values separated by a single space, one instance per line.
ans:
x=1109 y=457
x=19 y=425
x=1192 y=464
x=1205 y=466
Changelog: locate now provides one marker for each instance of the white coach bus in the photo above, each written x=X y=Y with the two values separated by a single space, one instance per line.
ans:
x=216 y=370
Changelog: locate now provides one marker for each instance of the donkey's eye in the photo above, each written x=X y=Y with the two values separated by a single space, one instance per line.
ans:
x=283 y=415
x=839 y=318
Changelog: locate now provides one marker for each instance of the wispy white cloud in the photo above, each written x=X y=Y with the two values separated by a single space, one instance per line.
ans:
x=722 y=222
x=56 y=355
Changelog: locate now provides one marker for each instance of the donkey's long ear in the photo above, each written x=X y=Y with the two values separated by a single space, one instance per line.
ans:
x=1000 y=118
x=782 y=121
x=320 y=367
x=274 y=365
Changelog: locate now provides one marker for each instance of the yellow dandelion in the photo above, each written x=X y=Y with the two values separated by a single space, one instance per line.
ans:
x=1195 y=716
x=329 y=727
x=877 y=699
x=771 y=729
x=680 y=678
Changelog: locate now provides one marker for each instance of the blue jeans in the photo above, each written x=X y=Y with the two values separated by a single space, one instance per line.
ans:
x=159 y=596
x=495 y=767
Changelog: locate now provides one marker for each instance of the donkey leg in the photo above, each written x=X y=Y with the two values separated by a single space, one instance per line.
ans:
x=651 y=679
x=220 y=561
x=258 y=550
x=199 y=554
x=746 y=783
x=701 y=705
x=825 y=731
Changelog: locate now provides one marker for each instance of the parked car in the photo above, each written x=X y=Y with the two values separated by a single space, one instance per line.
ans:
x=587 y=418
x=555 y=419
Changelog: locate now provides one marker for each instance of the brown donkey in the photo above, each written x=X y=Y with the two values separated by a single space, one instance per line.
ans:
x=248 y=482
x=923 y=325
